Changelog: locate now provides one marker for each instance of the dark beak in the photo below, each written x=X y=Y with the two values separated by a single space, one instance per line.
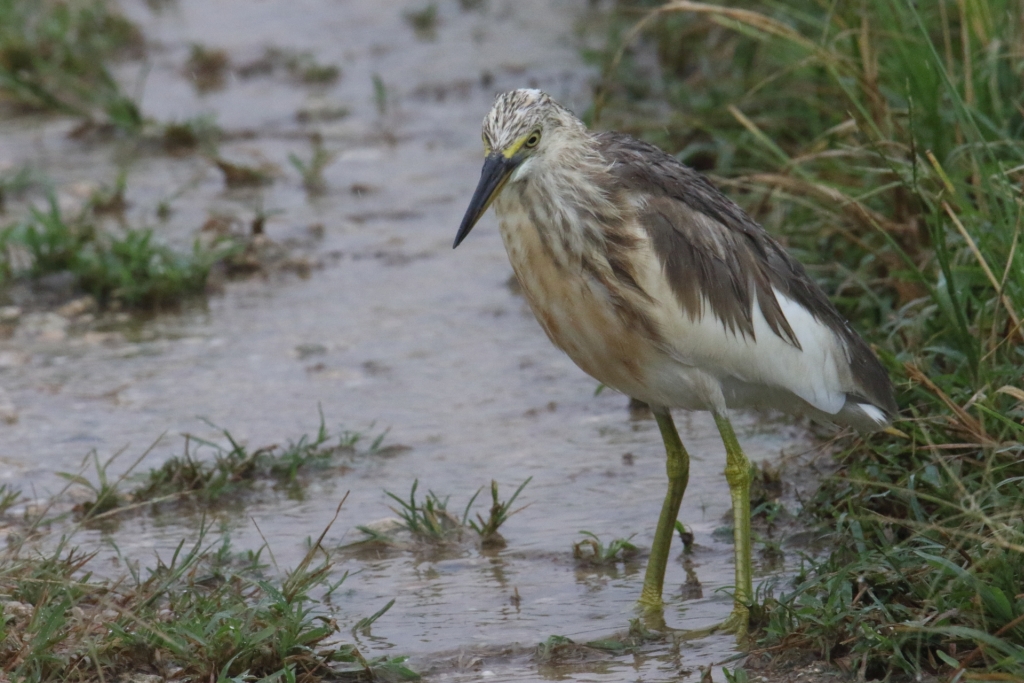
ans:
x=496 y=171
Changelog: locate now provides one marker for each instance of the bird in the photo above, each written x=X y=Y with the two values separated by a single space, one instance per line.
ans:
x=658 y=285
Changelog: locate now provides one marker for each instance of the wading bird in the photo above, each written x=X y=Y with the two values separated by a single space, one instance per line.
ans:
x=658 y=285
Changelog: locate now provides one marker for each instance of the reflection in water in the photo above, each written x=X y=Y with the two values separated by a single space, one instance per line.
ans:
x=692 y=589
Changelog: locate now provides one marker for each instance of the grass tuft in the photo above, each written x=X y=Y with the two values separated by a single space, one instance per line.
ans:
x=591 y=552
x=312 y=171
x=129 y=269
x=431 y=523
x=232 y=471
x=430 y=520
x=235 y=468
x=205 y=613
x=206 y=67
x=423 y=21
x=498 y=515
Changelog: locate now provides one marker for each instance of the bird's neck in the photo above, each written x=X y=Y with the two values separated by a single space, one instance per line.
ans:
x=566 y=202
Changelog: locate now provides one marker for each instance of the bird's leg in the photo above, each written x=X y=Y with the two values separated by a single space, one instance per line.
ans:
x=678 y=468
x=737 y=472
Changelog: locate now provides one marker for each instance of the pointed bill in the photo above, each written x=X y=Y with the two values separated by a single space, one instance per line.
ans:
x=497 y=169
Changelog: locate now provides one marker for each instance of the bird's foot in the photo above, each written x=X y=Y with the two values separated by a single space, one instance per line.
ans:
x=652 y=612
x=737 y=624
x=653 y=618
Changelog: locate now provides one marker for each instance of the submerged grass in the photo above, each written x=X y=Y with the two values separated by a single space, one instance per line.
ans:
x=882 y=141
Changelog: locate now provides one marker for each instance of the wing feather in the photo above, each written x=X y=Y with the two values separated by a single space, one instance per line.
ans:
x=713 y=254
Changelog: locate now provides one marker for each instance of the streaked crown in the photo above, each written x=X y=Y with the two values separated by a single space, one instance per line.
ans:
x=519 y=113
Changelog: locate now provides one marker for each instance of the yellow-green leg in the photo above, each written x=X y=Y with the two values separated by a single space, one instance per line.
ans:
x=737 y=472
x=677 y=464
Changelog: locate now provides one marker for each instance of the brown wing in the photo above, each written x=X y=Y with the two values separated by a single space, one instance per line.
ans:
x=712 y=251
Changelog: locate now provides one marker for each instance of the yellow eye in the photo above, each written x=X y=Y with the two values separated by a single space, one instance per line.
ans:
x=533 y=140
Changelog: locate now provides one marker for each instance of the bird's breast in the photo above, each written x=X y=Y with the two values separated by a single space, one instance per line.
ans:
x=575 y=312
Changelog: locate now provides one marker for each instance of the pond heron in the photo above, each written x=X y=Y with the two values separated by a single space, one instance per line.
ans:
x=658 y=285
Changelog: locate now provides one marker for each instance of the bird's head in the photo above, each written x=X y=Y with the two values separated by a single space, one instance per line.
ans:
x=522 y=130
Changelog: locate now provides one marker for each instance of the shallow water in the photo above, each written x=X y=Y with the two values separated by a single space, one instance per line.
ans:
x=394 y=331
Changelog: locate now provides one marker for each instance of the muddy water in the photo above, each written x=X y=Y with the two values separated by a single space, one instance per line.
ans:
x=393 y=330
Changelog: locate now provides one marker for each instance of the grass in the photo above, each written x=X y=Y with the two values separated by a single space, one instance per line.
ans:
x=312 y=171
x=423 y=21
x=558 y=649
x=129 y=268
x=205 y=613
x=380 y=94
x=592 y=552
x=198 y=133
x=227 y=472
x=430 y=521
x=206 y=67
x=301 y=67
x=304 y=68
x=882 y=141
x=14 y=182
x=498 y=514
x=55 y=55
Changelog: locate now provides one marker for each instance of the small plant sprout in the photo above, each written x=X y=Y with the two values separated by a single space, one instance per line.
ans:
x=364 y=624
x=206 y=67
x=686 y=536
x=553 y=646
x=430 y=521
x=737 y=675
x=110 y=198
x=592 y=552
x=8 y=497
x=198 y=133
x=304 y=68
x=423 y=21
x=499 y=513
x=107 y=495
x=312 y=171
x=380 y=94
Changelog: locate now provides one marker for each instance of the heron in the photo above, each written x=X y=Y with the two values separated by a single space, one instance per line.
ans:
x=658 y=285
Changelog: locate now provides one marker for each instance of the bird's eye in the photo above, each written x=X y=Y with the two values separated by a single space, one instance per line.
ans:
x=533 y=140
